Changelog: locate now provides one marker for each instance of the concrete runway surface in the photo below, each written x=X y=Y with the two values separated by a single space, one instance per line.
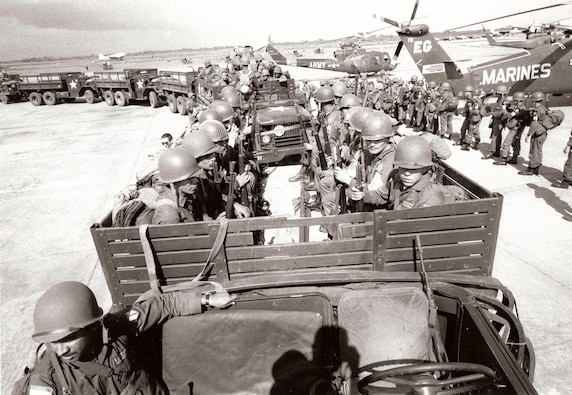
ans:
x=62 y=165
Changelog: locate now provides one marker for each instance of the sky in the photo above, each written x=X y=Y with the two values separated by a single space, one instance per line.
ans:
x=64 y=28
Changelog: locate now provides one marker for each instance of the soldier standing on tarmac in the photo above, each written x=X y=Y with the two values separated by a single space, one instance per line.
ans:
x=433 y=101
x=445 y=110
x=83 y=351
x=499 y=117
x=519 y=119
x=536 y=135
x=567 y=173
x=470 y=133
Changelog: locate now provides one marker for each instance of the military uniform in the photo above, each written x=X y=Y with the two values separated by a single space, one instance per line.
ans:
x=538 y=135
x=378 y=170
x=424 y=193
x=118 y=368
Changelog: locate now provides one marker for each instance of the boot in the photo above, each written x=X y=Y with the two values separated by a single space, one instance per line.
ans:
x=502 y=162
x=528 y=172
x=536 y=170
x=560 y=184
x=488 y=156
x=475 y=145
x=464 y=147
x=513 y=160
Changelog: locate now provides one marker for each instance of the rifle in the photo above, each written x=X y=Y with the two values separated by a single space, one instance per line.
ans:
x=340 y=188
x=324 y=130
x=321 y=155
x=231 y=186
x=246 y=192
x=359 y=182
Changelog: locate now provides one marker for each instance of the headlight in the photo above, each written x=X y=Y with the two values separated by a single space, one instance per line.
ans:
x=266 y=139
x=279 y=131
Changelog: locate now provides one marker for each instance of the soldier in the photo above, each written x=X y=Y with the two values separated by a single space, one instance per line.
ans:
x=470 y=130
x=83 y=351
x=411 y=185
x=376 y=134
x=433 y=101
x=340 y=89
x=499 y=117
x=519 y=119
x=536 y=135
x=445 y=109
x=567 y=173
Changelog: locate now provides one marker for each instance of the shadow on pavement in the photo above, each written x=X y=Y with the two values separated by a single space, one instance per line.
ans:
x=553 y=201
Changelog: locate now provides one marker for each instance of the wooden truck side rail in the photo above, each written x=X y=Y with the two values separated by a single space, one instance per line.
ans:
x=459 y=237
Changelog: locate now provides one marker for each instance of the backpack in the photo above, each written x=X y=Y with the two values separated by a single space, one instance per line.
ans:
x=453 y=193
x=451 y=104
x=553 y=119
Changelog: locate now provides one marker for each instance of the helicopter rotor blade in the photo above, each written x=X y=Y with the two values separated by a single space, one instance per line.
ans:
x=414 y=12
x=397 y=50
x=506 y=16
x=390 y=21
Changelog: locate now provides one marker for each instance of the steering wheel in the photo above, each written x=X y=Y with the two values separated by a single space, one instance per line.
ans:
x=419 y=382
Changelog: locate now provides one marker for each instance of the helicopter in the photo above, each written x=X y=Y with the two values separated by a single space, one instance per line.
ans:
x=535 y=34
x=546 y=68
x=351 y=59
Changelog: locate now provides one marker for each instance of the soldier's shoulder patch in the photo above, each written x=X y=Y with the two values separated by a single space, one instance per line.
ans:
x=40 y=390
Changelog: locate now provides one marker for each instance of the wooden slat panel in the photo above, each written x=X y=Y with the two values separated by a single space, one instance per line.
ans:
x=436 y=238
x=459 y=208
x=178 y=243
x=156 y=231
x=300 y=249
x=298 y=262
x=312 y=270
x=438 y=251
x=348 y=231
x=459 y=264
x=436 y=223
x=176 y=257
x=170 y=271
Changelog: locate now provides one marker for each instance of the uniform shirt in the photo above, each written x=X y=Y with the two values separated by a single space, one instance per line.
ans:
x=117 y=369
x=424 y=193
x=377 y=174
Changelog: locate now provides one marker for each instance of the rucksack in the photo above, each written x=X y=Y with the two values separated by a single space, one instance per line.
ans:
x=451 y=104
x=453 y=193
x=553 y=119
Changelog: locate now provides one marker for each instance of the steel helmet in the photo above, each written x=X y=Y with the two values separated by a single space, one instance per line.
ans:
x=198 y=144
x=469 y=88
x=432 y=84
x=349 y=114
x=277 y=70
x=349 y=100
x=324 y=94
x=215 y=130
x=177 y=164
x=224 y=109
x=209 y=114
x=414 y=78
x=519 y=96
x=445 y=86
x=377 y=125
x=537 y=96
x=227 y=90
x=413 y=152
x=358 y=118
x=233 y=99
x=420 y=83
x=339 y=88
x=265 y=72
x=501 y=90
x=64 y=309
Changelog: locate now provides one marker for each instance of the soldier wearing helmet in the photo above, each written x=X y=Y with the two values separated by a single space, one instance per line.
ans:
x=377 y=131
x=416 y=99
x=85 y=351
x=499 y=117
x=518 y=120
x=411 y=185
x=537 y=134
x=433 y=102
x=470 y=129
x=446 y=108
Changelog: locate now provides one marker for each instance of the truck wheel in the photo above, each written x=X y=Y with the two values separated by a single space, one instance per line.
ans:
x=120 y=98
x=36 y=99
x=182 y=105
x=108 y=97
x=50 y=98
x=172 y=101
x=89 y=96
x=4 y=99
x=153 y=99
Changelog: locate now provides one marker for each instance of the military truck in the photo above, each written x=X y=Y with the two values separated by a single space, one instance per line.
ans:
x=176 y=88
x=120 y=87
x=9 y=91
x=398 y=302
x=280 y=122
x=52 y=88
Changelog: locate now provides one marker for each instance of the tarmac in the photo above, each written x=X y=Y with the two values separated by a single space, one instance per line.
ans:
x=63 y=164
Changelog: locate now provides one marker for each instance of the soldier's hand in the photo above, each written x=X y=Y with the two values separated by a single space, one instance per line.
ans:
x=356 y=194
x=221 y=300
x=243 y=179
x=342 y=176
x=233 y=136
x=527 y=139
x=241 y=211
x=345 y=153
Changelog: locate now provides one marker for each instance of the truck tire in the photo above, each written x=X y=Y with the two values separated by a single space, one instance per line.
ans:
x=120 y=98
x=36 y=99
x=49 y=98
x=182 y=105
x=89 y=96
x=153 y=99
x=4 y=99
x=172 y=101
x=109 y=98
